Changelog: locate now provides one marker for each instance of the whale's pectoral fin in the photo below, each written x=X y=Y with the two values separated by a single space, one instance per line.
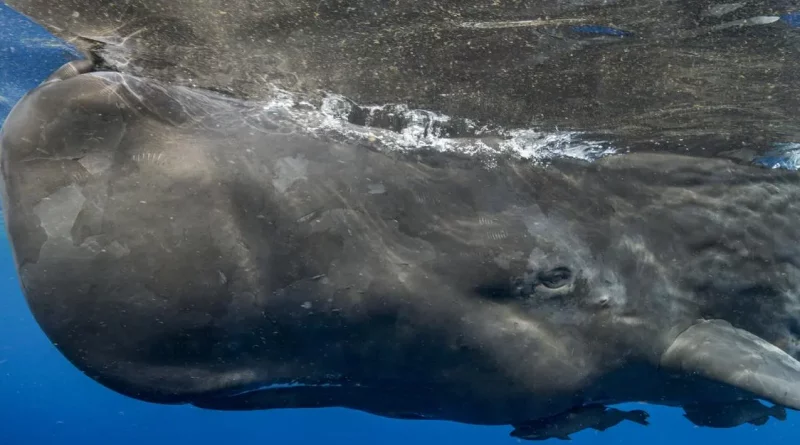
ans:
x=70 y=70
x=614 y=417
x=716 y=350
x=732 y=414
x=560 y=426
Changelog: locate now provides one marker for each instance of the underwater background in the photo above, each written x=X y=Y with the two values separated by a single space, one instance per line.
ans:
x=45 y=400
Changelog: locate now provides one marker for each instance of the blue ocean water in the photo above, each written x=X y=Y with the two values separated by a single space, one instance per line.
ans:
x=44 y=400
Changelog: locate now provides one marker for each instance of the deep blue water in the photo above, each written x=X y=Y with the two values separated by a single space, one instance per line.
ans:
x=44 y=400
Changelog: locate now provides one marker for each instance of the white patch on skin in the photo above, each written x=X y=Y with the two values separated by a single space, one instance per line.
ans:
x=59 y=211
x=504 y=259
x=288 y=170
x=646 y=258
x=376 y=189
x=180 y=157
x=722 y=9
x=95 y=164
x=752 y=21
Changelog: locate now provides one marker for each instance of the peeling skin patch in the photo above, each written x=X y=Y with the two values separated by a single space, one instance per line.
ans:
x=95 y=164
x=724 y=8
x=376 y=189
x=59 y=211
x=287 y=171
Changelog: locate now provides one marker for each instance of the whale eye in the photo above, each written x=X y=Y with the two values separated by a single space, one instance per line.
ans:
x=555 y=278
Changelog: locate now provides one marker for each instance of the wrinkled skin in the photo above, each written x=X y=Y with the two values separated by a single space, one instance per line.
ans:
x=183 y=247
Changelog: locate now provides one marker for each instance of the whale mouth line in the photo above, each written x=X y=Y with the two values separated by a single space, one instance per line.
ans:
x=295 y=384
x=287 y=384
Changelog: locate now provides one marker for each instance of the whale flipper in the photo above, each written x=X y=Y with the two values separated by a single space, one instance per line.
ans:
x=717 y=350
x=732 y=414
x=560 y=426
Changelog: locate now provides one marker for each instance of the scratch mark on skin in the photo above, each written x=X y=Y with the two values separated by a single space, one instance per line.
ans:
x=154 y=158
x=519 y=23
x=107 y=36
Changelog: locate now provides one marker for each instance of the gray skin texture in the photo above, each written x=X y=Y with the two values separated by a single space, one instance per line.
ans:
x=179 y=246
x=699 y=76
